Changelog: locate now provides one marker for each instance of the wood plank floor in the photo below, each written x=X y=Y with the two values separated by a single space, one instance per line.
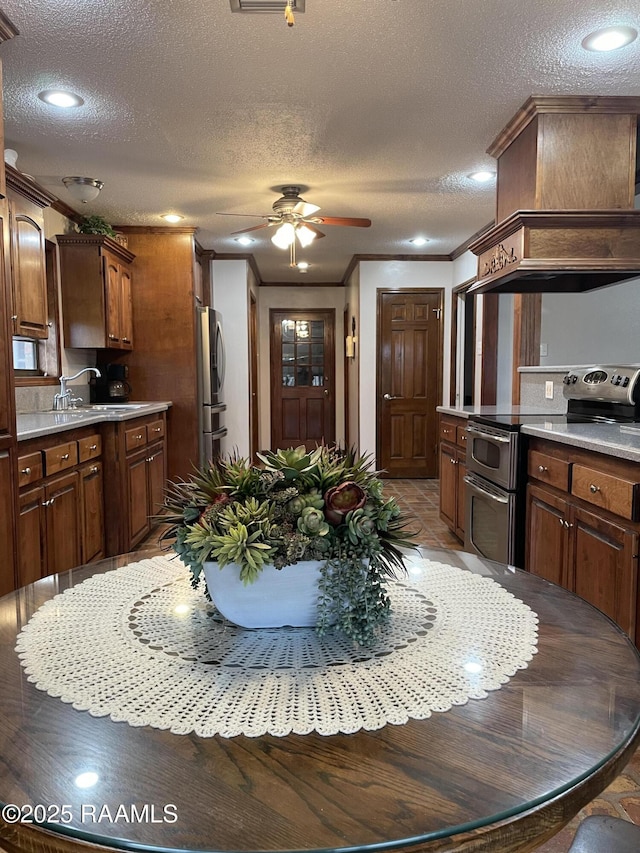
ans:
x=420 y=499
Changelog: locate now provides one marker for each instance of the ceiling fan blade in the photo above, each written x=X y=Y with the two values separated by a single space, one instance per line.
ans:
x=253 y=228
x=313 y=228
x=252 y=215
x=342 y=220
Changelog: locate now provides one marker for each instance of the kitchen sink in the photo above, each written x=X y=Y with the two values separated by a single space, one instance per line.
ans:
x=116 y=407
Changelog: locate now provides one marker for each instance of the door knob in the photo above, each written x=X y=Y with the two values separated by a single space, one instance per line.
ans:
x=326 y=392
x=390 y=397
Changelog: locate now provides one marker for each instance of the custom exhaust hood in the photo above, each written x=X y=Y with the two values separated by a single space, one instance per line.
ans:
x=567 y=172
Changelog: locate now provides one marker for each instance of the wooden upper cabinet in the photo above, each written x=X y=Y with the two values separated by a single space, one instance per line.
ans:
x=551 y=150
x=96 y=292
x=27 y=252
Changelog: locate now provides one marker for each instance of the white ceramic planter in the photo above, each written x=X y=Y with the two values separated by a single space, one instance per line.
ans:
x=278 y=597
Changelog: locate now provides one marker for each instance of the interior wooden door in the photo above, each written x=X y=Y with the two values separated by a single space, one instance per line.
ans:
x=253 y=377
x=409 y=381
x=302 y=378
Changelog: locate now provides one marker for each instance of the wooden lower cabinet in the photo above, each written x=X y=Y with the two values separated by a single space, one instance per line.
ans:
x=452 y=472
x=61 y=509
x=50 y=528
x=585 y=548
x=7 y=538
x=135 y=461
x=146 y=476
x=92 y=489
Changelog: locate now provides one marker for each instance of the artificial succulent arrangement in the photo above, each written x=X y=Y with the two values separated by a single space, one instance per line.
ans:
x=325 y=505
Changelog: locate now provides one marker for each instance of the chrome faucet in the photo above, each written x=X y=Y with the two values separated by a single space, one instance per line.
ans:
x=63 y=399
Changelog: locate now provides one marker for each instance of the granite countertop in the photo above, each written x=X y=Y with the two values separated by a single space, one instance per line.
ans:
x=36 y=424
x=621 y=440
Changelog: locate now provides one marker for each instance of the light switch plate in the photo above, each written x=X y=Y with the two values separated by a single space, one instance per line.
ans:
x=548 y=389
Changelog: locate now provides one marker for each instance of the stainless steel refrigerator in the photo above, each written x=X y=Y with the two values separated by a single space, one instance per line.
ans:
x=211 y=358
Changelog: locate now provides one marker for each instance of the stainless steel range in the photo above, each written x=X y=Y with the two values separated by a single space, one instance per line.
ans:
x=496 y=456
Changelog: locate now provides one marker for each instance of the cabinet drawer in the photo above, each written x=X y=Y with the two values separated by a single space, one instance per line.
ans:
x=89 y=448
x=29 y=468
x=461 y=435
x=60 y=457
x=155 y=430
x=135 y=437
x=611 y=492
x=448 y=431
x=549 y=470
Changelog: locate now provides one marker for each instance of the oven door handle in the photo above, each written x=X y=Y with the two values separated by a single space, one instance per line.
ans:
x=475 y=485
x=488 y=435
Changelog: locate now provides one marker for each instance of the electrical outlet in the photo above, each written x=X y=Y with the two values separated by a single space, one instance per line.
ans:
x=548 y=390
x=543 y=349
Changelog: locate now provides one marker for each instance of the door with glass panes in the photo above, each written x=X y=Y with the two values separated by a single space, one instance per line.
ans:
x=302 y=378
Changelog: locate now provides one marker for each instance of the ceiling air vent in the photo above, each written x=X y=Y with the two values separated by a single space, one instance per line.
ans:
x=273 y=6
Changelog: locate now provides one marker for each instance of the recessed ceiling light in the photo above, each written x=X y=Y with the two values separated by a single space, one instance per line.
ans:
x=303 y=266
x=172 y=217
x=610 y=38
x=482 y=176
x=419 y=241
x=244 y=241
x=58 y=98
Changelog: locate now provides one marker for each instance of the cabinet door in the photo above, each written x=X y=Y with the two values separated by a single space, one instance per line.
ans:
x=448 y=485
x=64 y=523
x=32 y=535
x=461 y=494
x=91 y=480
x=126 y=310
x=112 y=299
x=157 y=477
x=28 y=269
x=138 y=497
x=604 y=564
x=546 y=536
x=7 y=540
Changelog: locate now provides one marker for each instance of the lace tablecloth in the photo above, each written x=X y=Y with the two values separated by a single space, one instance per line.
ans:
x=138 y=644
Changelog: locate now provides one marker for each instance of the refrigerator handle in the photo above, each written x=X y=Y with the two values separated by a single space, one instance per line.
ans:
x=220 y=355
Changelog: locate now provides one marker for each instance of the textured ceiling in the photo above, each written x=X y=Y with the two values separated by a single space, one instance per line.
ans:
x=377 y=108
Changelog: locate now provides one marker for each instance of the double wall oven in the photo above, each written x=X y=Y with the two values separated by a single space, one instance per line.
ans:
x=496 y=456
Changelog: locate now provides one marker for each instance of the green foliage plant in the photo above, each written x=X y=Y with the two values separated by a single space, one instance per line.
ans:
x=96 y=225
x=326 y=505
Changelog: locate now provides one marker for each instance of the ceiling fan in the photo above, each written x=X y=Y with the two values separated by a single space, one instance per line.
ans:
x=297 y=218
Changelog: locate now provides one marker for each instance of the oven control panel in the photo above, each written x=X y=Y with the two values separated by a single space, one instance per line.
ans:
x=614 y=383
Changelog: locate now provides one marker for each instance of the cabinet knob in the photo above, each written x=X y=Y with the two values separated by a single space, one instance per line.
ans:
x=453 y=461
x=463 y=438
x=26 y=471
x=567 y=524
x=113 y=337
x=593 y=488
x=126 y=340
x=139 y=437
x=93 y=447
x=93 y=469
x=542 y=468
x=64 y=457
x=157 y=429
x=14 y=317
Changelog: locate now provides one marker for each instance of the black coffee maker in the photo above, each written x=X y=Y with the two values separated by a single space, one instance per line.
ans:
x=112 y=386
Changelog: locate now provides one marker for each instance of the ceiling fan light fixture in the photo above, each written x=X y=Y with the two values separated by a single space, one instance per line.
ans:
x=82 y=189
x=305 y=236
x=284 y=236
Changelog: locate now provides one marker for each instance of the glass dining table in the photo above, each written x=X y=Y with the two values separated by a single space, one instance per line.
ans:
x=501 y=773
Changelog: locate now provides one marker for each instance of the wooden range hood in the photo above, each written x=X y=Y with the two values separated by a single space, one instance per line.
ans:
x=565 y=193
